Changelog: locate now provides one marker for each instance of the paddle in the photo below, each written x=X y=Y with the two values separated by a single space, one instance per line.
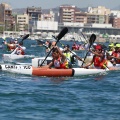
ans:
x=91 y=41
x=23 y=38
x=80 y=31
x=60 y=35
x=41 y=42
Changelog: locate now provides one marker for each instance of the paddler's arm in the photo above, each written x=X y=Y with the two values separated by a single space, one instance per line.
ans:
x=14 y=51
x=47 y=66
x=95 y=53
x=89 y=64
x=79 y=58
x=76 y=56
x=115 y=57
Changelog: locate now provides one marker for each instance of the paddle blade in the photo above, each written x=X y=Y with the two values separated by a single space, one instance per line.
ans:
x=92 y=39
x=62 y=33
x=40 y=42
x=25 y=37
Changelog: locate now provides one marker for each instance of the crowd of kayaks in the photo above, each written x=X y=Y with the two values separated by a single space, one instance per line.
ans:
x=34 y=69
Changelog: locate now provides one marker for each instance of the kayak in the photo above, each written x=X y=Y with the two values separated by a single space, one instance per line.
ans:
x=36 y=62
x=30 y=70
x=7 y=57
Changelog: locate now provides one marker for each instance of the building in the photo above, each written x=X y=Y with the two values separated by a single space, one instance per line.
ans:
x=80 y=17
x=22 y=22
x=34 y=15
x=67 y=14
x=101 y=10
x=48 y=17
x=115 y=18
x=97 y=18
x=115 y=21
x=6 y=17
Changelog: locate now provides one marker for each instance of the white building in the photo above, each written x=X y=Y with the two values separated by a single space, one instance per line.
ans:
x=47 y=25
x=115 y=13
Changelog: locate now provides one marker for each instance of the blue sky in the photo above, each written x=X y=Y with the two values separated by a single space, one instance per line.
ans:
x=54 y=3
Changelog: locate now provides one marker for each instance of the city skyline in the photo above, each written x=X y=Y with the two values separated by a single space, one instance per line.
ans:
x=53 y=3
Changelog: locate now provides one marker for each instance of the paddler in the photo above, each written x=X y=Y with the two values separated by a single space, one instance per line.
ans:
x=70 y=55
x=98 y=60
x=10 y=46
x=111 y=48
x=116 y=55
x=20 y=50
x=59 y=60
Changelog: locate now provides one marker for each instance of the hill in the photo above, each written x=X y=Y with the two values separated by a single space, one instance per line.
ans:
x=44 y=11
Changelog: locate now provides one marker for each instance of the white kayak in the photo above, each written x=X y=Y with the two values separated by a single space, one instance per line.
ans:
x=30 y=70
x=8 y=57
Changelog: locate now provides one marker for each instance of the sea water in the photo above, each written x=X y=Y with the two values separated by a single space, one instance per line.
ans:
x=24 y=97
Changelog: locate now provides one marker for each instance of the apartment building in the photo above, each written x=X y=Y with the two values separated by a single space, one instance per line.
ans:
x=6 y=17
x=67 y=13
x=80 y=17
x=34 y=15
x=48 y=17
x=101 y=10
x=22 y=22
x=97 y=18
x=115 y=21
x=115 y=18
x=99 y=14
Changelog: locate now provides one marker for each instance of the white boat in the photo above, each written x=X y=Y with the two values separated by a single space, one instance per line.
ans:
x=7 y=57
x=30 y=70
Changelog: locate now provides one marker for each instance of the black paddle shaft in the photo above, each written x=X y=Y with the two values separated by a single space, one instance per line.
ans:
x=24 y=37
x=60 y=35
x=91 y=41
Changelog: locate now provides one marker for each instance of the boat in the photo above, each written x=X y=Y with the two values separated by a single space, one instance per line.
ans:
x=7 y=57
x=37 y=71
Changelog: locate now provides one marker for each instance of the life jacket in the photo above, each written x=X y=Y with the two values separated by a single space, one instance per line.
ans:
x=59 y=65
x=68 y=56
x=99 y=62
x=103 y=64
x=20 y=51
x=116 y=54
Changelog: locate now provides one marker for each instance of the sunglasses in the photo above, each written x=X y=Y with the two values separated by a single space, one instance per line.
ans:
x=99 y=49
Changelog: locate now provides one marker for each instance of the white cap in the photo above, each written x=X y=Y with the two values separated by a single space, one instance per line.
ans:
x=94 y=44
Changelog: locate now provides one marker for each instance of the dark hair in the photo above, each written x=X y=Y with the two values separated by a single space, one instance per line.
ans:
x=21 y=43
x=67 y=46
x=55 y=50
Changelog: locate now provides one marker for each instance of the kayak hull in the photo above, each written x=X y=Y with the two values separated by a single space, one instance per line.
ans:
x=16 y=57
x=29 y=70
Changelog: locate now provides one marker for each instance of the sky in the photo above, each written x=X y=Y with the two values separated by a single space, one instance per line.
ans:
x=45 y=4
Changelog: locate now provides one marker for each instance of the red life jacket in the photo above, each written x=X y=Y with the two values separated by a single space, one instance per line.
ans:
x=20 y=51
x=116 y=54
x=59 y=65
x=99 y=62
